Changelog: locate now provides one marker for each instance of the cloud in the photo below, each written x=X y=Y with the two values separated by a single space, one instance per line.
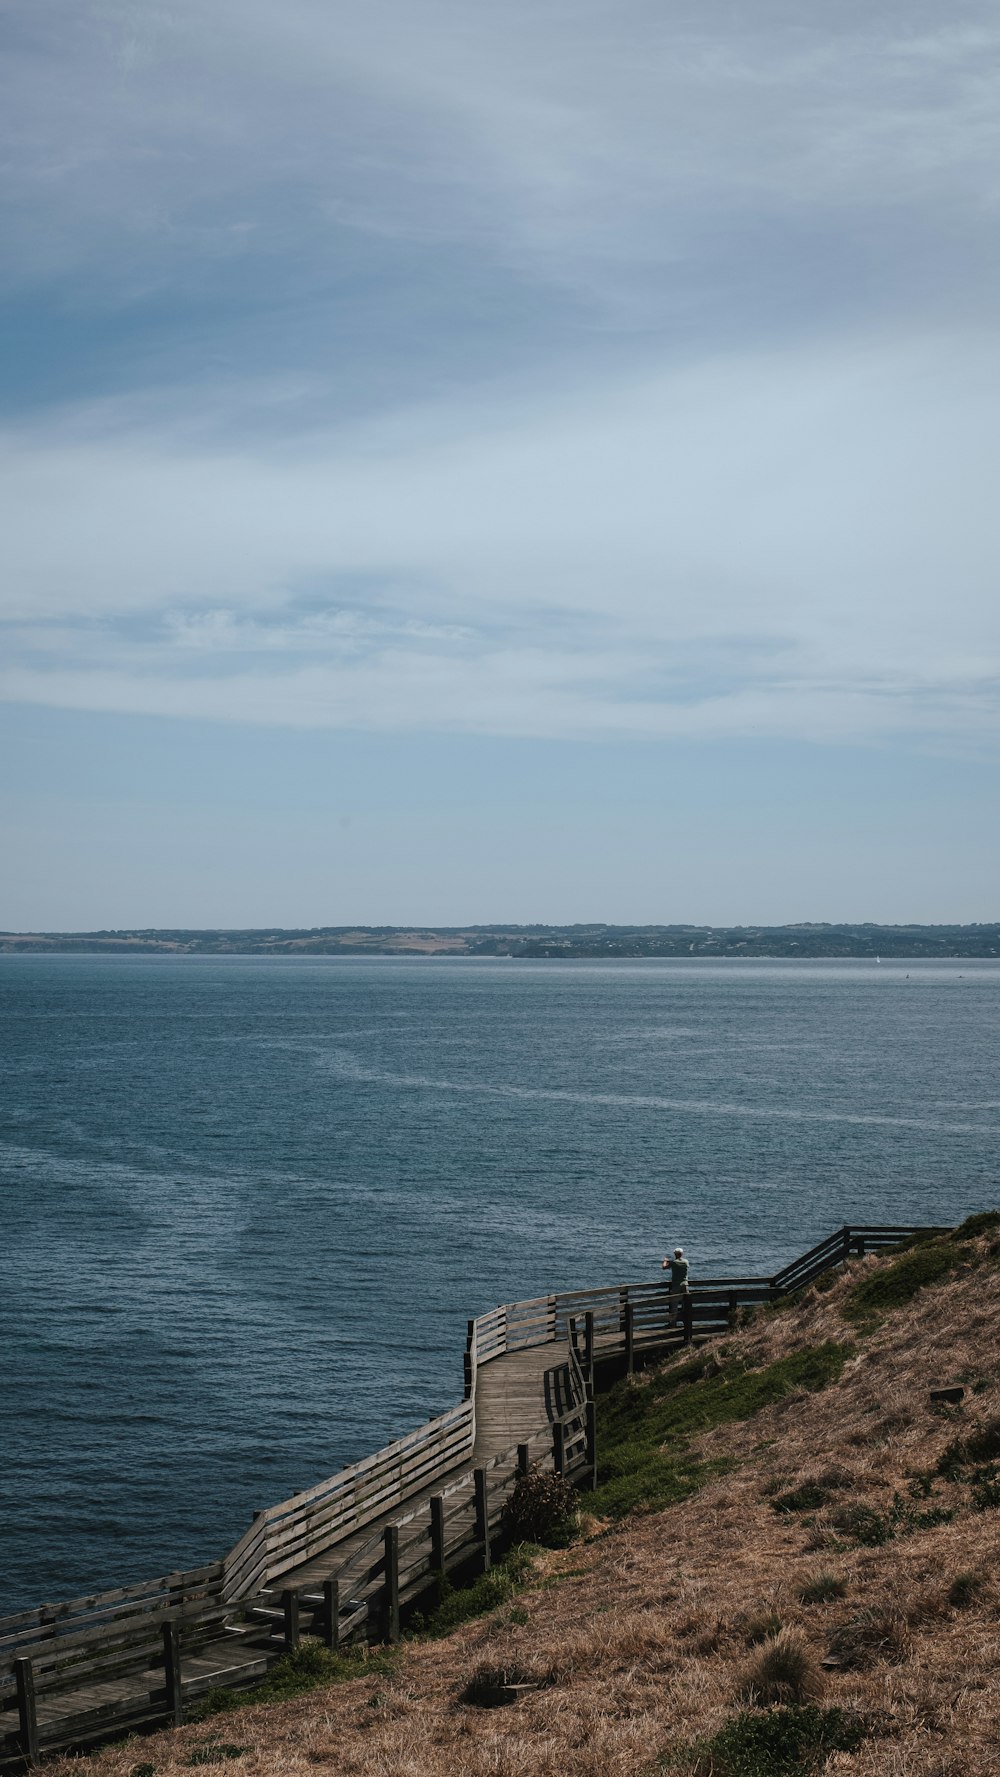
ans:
x=543 y=370
x=801 y=544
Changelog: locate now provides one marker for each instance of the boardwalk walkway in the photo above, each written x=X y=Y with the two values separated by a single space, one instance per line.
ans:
x=341 y=1558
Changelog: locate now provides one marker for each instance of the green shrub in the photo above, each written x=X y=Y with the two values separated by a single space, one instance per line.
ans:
x=820 y=1588
x=542 y=1508
x=790 y=1742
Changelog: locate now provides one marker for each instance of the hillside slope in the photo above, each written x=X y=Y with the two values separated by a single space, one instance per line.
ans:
x=804 y=1527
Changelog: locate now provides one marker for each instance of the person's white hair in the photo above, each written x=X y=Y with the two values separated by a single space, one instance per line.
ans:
x=678 y=1252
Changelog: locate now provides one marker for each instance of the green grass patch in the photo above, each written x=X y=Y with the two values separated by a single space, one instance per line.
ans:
x=309 y=1666
x=460 y=1604
x=644 y=1430
x=895 y=1284
x=791 y=1742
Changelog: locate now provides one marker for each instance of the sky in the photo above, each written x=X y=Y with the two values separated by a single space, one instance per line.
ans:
x=465 y=463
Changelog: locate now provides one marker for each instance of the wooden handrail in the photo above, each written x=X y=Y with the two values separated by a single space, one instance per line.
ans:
x=118 y=1626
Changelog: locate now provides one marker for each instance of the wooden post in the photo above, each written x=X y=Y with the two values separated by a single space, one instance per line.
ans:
x=391 y=1541
x=290 y=1614
x=523 y=1458
x=629 y=1338
x=550 y=1320
x=588 y=1345
x=27 y=1719
x=592 y=1440
x=687 y=1318
x=571 y=1330
x=732 y=1310
x=483 y=1516
x=172 y=1671
x=331 y=1613
x=437 y=1533
x=845 y=1243
x=468 y=1360
x=558 y=1446
x=859 y=1246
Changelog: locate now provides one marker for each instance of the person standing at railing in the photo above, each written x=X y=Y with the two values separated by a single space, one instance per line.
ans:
x=679 y=1270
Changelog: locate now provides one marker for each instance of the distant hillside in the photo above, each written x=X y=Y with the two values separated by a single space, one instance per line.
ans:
x=539 y=941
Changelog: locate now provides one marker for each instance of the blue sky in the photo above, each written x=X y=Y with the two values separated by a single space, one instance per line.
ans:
x=467 y=463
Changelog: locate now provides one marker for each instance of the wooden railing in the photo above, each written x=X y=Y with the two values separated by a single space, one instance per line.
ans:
x=73 y=1673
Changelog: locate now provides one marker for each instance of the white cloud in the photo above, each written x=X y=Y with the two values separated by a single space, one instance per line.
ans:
x=799 y=544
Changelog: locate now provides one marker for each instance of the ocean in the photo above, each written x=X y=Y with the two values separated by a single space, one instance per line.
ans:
x=249 y=1203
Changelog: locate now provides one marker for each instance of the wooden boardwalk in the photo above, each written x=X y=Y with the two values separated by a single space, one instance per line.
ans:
x=340 y=1559
x=517 y=1396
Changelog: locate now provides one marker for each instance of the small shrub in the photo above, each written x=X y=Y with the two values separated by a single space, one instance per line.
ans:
x=821 y=1588
x=784 y=1671
x=873 y=1635
x=144 y=1770
x=964 y=1590
x=542 y=1508
x=789 y=1742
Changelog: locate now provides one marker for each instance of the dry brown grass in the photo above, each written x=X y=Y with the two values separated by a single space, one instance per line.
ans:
x=648 y=1645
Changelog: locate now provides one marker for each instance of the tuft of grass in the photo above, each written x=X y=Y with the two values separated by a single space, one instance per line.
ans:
x=763 y=1626
x=643 y=1433
x=784 y=1671
x=821 y=1588
x=871 y=1635
x=893 y=1285
x=964 y=1590
x=806 y=1498
x=790 y=1742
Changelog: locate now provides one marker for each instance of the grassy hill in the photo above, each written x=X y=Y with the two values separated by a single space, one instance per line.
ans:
x=790 y=1566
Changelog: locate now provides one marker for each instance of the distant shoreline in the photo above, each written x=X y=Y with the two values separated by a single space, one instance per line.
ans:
x=875 y=943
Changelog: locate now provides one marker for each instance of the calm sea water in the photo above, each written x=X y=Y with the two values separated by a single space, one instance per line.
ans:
x=248 y=1204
